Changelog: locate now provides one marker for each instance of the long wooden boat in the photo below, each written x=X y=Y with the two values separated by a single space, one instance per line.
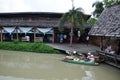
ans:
x=81 y=62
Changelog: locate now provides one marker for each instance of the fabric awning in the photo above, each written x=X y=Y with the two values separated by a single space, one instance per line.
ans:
x=4 y=31
x=50 y=32
x=25 y=29
x=44 y=30
x=18 y=31
x=9 y=29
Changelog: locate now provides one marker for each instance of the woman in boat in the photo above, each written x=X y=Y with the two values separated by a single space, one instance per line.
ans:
x=88 y=57
x=92 y=59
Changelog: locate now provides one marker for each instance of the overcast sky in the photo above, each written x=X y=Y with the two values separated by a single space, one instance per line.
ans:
x=59 y=6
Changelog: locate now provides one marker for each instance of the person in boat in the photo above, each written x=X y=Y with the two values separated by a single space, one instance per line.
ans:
x=88 y=57
x=82 y=57
x=92 y=59
x=71 y=55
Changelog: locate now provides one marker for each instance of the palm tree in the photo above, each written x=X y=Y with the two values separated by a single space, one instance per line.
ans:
x=92 y=21
x=109 y=3
x=75 y=18
x=99 y=7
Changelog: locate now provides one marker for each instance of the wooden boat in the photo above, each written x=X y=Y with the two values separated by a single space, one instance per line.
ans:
x=80 y=62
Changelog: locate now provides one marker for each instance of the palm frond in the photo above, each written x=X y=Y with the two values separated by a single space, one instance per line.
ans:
x=74 y=16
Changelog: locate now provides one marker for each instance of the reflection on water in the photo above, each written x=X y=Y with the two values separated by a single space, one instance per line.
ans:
x=89 y=75
x=13 y=78
x=34 y=66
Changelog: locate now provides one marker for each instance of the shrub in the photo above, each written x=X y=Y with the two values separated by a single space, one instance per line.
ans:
x=31 y=47
x=16 y=41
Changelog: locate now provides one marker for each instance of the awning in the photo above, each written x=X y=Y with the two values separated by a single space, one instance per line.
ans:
x=50 y=32
x=4 y=31
x=9 y=29
x=25 y=29
x=44 y=30
x=17 y=31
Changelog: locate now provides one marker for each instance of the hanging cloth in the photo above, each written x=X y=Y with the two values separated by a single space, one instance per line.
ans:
x=4 y=31
x=44 y=30
x=9 y=29
x=25 y=29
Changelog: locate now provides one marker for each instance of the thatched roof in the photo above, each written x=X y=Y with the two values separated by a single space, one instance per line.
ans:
x=108 y=23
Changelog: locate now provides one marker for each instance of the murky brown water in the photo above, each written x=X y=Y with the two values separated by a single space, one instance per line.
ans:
x=34 y=66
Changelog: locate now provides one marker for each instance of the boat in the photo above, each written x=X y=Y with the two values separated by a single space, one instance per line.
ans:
x=80 y=62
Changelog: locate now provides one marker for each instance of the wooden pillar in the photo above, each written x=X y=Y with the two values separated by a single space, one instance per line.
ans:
x=1 y=35
x=53 y=36
x=34 y=34
x=17 y=33
x=101 y=44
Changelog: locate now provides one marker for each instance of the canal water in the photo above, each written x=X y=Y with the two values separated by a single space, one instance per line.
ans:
x=15 y=65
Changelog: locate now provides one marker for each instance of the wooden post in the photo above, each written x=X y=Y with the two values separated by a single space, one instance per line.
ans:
x=1 y=35
x=53 y=36
x=34 y=34
x=17 y=33
x=101 y=44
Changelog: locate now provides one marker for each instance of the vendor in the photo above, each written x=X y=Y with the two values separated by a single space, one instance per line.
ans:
x=92 y=59
x=109 y=50
x=88 y=57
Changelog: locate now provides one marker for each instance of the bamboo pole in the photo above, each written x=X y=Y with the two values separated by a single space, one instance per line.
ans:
x=53 y=36
x=17 y=33
x=1 y=35
x=34 y=34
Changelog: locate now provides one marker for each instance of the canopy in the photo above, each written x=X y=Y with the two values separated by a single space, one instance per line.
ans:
x=50 y=32
x=25 y=29
x=9 y=29
x=44 y=30
x=4 y=31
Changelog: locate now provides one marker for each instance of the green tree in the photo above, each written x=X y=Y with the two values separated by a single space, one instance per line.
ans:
x=109 y=3
x=92 y=21
x=75 y=18
x=99 y=7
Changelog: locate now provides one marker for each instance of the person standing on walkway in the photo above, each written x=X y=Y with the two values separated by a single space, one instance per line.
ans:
x=79 y=34
x=61 y=38
x=87 y=40
x=65 y=36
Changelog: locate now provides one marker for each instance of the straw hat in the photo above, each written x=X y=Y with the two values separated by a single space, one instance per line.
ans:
x=92 y=55
x=74 y=52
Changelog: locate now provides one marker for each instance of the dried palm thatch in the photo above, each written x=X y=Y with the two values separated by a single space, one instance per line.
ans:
x=108 y=23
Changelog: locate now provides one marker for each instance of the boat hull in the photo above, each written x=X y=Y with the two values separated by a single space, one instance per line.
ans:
x=81 y=62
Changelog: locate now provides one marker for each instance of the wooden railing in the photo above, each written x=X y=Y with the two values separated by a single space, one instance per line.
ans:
x=112 y=59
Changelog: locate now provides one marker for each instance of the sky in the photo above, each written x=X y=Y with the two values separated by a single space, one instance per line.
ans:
x=58 y=6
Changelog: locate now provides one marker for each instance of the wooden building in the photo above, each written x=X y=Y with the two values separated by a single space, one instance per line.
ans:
x=107 y=31
x=40 y=26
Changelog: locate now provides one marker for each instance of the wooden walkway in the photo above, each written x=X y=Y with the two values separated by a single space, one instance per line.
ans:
x=75 y=47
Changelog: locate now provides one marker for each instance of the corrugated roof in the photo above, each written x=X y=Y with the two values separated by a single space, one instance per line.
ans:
x=31 y=19
x=108 y=23
x=31 y=14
